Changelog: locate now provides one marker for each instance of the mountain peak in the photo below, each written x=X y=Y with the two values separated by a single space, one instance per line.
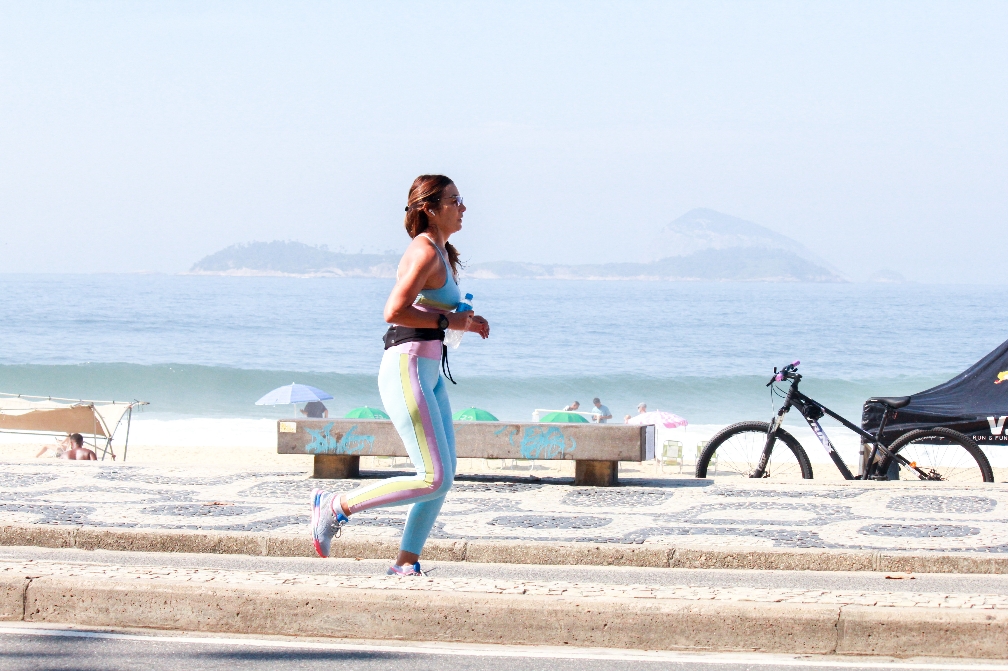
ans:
x=703 y=229
x=716 y=223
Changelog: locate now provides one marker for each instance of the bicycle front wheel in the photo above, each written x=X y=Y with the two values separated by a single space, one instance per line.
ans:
x=736 y=450
x=942 y=454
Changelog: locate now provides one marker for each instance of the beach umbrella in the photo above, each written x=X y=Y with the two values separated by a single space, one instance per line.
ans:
x=293 y=393
x=365 y=412
x=473 y=415
x=568 y=417
x=666 y=419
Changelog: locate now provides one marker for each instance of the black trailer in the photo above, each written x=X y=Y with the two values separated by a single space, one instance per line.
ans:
x=975 y=402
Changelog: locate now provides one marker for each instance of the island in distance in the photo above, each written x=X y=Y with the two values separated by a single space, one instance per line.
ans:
x=706 y=246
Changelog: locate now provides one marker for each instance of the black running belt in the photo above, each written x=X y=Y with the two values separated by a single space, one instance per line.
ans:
x=397 y=335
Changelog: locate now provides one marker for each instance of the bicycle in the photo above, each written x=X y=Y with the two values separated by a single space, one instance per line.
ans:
x=933 y=454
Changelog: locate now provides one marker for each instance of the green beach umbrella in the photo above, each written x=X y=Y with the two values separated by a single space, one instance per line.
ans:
x=365 y=412
x=569 y=417
x=473 y=415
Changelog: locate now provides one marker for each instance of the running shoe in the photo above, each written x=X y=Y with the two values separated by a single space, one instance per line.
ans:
x=405 y=570
x=326 y=522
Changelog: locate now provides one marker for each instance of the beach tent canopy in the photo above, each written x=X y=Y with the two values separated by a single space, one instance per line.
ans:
x=974 y=402
x=46 y=415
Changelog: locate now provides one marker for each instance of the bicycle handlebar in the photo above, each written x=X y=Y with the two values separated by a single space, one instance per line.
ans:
x=786 y=372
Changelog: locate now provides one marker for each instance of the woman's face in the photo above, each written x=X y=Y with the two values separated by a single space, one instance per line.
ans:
x=446 y=215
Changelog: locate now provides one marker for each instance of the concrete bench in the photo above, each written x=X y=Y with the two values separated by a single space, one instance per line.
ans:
x=596 y=449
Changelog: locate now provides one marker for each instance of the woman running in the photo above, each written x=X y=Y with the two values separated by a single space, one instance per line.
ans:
x=420 y=308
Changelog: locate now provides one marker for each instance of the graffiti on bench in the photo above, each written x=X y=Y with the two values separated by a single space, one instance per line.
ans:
x=539 y=442
x=324 y=442
x=475 y=440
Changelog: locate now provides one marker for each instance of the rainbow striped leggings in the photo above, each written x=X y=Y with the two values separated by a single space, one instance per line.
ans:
x=415 y=397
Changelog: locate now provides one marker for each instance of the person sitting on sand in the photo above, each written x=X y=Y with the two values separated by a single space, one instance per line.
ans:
x=72 y=447
x=572 y=407
x=315 y=410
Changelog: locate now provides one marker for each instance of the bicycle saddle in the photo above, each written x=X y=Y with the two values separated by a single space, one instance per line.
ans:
x=894 y=402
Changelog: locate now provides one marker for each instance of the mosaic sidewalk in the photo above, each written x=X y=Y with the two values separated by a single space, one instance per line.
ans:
x=888 y=517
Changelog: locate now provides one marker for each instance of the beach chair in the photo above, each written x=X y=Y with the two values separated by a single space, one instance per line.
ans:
x=389 y=462
x=700 y=448
x=671 y=454
x=522 y=463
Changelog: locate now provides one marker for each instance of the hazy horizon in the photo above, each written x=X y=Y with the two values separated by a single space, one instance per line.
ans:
x=143 y=137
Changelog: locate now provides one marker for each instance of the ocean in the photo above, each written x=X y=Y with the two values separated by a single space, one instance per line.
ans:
x=208 y=347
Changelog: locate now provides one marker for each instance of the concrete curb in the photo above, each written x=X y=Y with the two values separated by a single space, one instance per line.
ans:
x=506 y=618
x=500 y=552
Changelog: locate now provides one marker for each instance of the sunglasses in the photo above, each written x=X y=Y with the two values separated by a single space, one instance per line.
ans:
x=457 y=199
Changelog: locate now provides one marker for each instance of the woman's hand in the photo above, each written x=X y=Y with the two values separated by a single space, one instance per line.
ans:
x=467 y=321
x=478 y=325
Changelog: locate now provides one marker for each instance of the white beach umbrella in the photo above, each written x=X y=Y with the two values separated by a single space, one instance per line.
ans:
x=656 y=417
x=293 y=393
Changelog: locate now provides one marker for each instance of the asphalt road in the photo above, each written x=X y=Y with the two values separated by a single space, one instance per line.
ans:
x=943 y=583
x=24 y=648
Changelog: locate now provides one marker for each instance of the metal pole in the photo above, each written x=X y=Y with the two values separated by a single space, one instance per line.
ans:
x=129 y=420
x=94 y=434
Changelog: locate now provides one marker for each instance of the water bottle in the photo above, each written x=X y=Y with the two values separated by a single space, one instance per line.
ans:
x=452 y=337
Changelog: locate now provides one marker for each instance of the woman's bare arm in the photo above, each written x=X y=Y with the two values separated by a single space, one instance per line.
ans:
x=420 y=268
x=418 y=264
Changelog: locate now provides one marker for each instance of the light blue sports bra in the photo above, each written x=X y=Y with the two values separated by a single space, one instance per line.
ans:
x=448 y=296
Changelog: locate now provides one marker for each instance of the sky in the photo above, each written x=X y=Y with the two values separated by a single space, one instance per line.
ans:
x=142 y=136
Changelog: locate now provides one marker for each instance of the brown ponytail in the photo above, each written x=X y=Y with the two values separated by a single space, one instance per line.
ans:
x=428 y=189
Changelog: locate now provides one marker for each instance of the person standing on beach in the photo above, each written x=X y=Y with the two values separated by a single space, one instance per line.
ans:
x=601 y=414
x=420 y=308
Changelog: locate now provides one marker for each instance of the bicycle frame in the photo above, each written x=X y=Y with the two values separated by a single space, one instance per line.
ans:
x=812 y=411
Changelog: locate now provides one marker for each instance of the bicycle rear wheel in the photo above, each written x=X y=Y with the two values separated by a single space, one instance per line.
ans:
x=735 y=451
x=943 y=454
